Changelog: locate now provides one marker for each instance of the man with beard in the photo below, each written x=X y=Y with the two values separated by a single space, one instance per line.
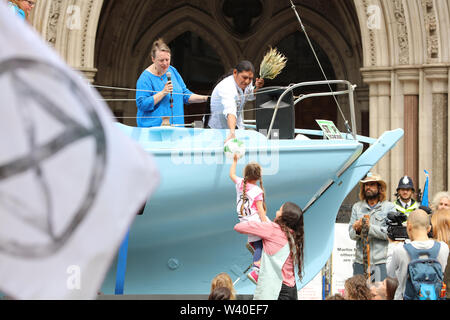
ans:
x=369 y=229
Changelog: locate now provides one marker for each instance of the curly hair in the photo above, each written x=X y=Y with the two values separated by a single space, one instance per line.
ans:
x=437 y=198
x=356 y=288
x=381 y=192
x=291 y=222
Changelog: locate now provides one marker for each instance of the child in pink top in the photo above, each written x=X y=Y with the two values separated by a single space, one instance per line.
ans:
x=250 y=206
x=285 y=232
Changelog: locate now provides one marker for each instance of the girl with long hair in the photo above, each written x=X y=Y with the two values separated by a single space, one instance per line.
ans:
x=250 y=206
x=283 y=243
x=440 y=221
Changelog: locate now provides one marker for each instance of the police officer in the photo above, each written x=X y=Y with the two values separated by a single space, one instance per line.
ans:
x=405 y=203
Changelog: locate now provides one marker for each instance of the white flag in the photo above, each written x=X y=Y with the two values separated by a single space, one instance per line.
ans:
x=70 y=182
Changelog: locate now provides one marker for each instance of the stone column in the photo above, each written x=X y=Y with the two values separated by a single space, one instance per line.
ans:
x=88 y=73
x=379 y=114
x=438 y=79
x=409 y=79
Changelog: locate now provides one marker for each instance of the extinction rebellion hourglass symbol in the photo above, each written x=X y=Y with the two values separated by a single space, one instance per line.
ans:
x=54 y=128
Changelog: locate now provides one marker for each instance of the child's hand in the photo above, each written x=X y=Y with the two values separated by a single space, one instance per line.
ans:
x=235 y=158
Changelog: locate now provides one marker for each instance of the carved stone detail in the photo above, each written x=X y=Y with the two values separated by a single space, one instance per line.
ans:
x=402 y=32
x=52 y=30
x=431 y=30
x=373 y=52
x=85 y=32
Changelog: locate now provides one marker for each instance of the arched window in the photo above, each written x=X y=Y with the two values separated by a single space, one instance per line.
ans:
x=302 y=66
x=199 y=65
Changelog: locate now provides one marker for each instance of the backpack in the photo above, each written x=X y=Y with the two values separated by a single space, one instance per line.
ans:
x=425 y=277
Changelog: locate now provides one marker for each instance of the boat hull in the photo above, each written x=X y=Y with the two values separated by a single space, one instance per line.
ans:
x=185 y=236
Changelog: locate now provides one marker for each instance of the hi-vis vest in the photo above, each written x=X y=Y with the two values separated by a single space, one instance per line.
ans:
x=414 y=205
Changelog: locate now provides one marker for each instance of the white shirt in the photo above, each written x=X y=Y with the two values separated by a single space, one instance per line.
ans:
x=405 y=204
x=398 y=264
x=227 y=98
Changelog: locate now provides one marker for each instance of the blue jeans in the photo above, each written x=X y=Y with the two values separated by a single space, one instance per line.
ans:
x=378 y=272
x=257 y=246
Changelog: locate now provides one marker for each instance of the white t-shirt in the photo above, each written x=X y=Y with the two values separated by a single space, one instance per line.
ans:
x=250 y=211
x=227 y=98
x=397 y=266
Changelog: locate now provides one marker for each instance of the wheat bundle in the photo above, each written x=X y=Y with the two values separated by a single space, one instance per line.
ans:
x=272 y=64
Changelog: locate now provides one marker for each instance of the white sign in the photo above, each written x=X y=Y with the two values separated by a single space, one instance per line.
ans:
x=343 y=257
x=313 y=290
x=70 y=182
x=329 y=129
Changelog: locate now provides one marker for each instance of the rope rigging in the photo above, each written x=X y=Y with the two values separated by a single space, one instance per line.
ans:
x=320 y=65
x=261 y=91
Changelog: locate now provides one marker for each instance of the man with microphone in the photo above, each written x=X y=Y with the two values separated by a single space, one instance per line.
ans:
x=161 y=91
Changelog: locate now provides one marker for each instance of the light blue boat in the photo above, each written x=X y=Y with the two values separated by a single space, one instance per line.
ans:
x=185 y=236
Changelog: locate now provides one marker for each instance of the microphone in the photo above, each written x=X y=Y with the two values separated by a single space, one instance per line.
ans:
x=169 y=79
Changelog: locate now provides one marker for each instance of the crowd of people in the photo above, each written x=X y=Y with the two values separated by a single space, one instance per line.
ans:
x=388 y=235
x=384 y=267
x=385 y=253
x=394 y=239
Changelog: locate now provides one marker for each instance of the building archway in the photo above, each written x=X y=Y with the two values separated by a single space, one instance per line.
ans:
x=122 y=54
x=400 y=49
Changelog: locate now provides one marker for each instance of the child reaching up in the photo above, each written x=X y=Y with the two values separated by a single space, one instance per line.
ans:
x=250 y=206
x=283 y=248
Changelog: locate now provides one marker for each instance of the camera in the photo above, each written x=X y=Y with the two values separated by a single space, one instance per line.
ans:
x=396 y=230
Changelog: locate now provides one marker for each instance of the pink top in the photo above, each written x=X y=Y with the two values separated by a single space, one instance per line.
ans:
x=273 y=240
x=240 y=186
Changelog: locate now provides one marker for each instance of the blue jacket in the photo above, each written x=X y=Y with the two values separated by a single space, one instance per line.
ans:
x=378 y=239
x=149 y=114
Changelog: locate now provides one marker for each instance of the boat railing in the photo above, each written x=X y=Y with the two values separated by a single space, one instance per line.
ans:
x=349 y=91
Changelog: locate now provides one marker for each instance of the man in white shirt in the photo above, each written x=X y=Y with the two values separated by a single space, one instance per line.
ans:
x=418 y=226
x=229 y=97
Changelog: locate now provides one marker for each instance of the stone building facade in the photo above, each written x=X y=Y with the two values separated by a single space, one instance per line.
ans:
x=397 y=52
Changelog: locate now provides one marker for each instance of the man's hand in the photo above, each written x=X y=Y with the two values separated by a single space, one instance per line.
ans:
x=231 y=121
x=259 y=83
x=230 y=136
x=357 y=226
